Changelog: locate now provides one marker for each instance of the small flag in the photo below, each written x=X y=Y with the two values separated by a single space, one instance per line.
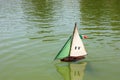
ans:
x=83 y=36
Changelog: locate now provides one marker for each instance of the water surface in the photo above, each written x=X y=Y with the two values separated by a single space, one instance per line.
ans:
x=33 y=32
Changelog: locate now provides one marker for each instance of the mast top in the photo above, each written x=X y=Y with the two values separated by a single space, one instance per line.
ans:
x=75 y=24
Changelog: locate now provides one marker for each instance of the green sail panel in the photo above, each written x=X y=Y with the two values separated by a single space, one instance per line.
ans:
x=64 y=52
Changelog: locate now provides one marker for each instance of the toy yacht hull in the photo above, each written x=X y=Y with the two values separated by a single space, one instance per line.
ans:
x=72 y=59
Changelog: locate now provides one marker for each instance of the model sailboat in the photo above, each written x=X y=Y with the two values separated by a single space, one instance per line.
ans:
x=73 y=49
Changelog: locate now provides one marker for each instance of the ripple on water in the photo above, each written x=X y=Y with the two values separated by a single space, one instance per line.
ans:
x=17 y=46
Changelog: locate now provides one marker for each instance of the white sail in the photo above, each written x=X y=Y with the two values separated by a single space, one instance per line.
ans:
x=77 y=46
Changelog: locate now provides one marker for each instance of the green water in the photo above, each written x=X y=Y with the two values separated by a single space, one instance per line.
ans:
x=33 y=31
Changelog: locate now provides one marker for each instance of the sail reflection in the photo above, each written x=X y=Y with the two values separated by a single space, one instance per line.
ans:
x=72 y=71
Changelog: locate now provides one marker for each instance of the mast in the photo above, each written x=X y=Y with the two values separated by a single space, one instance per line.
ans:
x=72 y=38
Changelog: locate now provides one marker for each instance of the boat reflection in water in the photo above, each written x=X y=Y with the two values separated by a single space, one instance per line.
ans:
x=72 y=71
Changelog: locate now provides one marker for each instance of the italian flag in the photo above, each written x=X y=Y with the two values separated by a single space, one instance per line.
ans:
x=83 y=36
